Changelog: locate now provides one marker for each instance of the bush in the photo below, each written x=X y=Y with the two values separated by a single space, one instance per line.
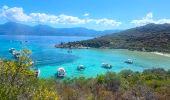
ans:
x=18 y=81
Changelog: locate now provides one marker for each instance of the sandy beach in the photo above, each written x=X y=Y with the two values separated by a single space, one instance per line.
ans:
x=162 y=54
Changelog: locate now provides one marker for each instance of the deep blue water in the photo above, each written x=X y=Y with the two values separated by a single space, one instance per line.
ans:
x=42 y=47
x=48 y=58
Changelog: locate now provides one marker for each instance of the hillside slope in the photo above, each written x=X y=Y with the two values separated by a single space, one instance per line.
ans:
x=151 y=37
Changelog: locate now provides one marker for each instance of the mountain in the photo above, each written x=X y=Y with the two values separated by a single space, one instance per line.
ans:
x=12 y=28
x=151 y=37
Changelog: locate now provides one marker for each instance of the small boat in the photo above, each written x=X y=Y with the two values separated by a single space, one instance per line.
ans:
x=81 y=67
x=37 y=72
x=17 y=54
x=11 y=50
x=107 y=66
x=69 y=51
x=61 y=72
x=129 y=61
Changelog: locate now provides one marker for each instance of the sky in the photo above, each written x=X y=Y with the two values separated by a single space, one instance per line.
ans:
x=92 y=14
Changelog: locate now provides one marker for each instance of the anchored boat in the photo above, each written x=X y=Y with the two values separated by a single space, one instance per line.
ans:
x=81 y=67
x=17 y=54
x=11 y=50
x=37 y=72
x=129 y=61
x=61 y=72
x=106 y=65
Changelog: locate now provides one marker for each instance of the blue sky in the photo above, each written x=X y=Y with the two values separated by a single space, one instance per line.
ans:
x=93 y=14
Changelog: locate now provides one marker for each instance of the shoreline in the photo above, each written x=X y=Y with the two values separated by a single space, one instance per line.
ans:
x=84 y=47
x=162 y=54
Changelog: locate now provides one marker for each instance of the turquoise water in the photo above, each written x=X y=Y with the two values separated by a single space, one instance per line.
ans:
x=48 y=58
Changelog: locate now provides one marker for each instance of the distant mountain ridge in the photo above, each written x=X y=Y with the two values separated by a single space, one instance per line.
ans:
x=12 y=28
x=151 y=37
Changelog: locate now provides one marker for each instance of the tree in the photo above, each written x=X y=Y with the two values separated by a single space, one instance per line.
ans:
x=18 y=81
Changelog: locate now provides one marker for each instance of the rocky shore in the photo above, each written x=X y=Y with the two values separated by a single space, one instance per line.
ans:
x=67 y=45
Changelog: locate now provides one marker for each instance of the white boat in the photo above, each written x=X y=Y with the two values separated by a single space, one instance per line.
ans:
x=129 y=61
x=37 y=72
x=105 y=65
x=61 y=72
x=17 y=54
x=81 y=67
x=11 y=50
x=14 y=52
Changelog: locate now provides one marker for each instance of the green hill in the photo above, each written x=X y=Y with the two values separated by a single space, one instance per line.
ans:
x=151 y=37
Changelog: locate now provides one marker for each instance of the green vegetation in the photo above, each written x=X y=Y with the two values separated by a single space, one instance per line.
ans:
x=18 y=81
x=152 y=37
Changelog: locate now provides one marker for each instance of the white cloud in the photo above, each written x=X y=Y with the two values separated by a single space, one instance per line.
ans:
x=14 y=14
x=86 y=14
x=163 y=21
x=17 y=14
x=5 y=7
x=60 y=19
x=106 y=21
x=149 y=19
x=70 y=19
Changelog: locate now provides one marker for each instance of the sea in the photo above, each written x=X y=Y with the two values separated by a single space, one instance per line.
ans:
x=48 y=58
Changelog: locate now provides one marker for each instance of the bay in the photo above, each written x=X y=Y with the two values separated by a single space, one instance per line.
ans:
x=48 y=58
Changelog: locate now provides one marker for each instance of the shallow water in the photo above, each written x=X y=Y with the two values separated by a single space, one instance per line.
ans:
x=48 y=58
